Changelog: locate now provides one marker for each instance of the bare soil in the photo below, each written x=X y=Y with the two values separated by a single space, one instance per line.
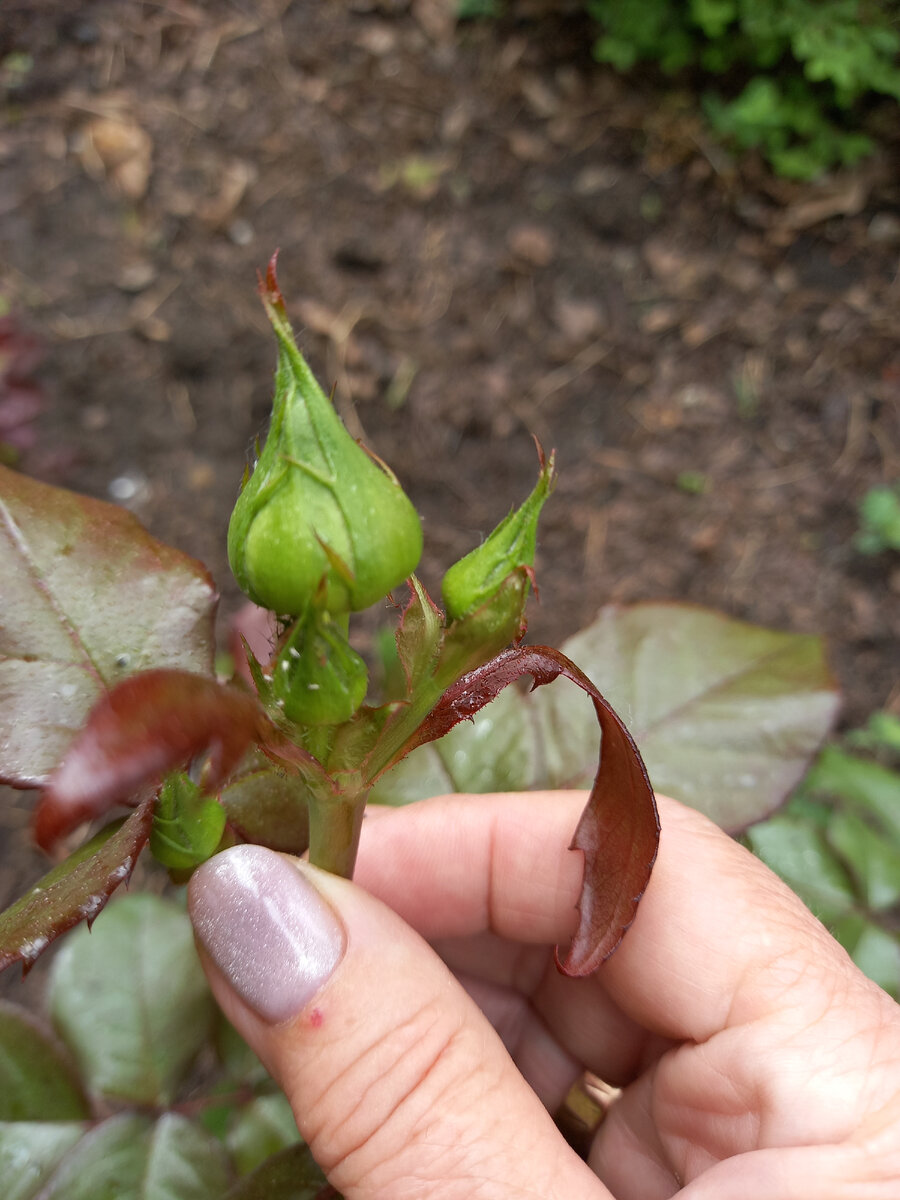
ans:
x=484 y=237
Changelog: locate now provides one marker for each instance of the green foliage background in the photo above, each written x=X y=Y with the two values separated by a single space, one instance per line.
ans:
x=879 y=520
x=837 y=844
x=809 y=68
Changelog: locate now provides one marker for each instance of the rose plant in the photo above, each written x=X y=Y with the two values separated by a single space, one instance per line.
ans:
x=108 y=698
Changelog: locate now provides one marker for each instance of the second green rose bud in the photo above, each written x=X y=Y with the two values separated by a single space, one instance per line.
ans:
x=477 y=578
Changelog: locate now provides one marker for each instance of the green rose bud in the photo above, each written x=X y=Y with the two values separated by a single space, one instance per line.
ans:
x=319 y=520
x=187 y=824
x=318 y=678
x=477 y=578
x=484 y=632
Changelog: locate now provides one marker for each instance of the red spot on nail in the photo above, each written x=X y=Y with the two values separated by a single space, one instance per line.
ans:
x=316 y=1018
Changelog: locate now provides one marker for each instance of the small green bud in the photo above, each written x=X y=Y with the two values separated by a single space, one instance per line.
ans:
x=484 y=632
x=318 y=678
x=475 y=579
x=187 y=824
x=319 y=520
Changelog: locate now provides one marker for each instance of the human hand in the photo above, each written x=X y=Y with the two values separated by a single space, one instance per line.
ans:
x=757 y=1062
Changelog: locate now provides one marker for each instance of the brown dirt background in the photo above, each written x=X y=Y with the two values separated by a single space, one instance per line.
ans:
x=483 y=236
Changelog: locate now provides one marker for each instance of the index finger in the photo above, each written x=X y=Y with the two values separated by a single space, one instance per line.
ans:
x=711 y=918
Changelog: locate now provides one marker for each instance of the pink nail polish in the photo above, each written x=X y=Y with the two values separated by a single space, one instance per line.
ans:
x=266 y=928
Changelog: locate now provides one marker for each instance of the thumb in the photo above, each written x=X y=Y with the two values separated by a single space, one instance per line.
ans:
x=398 y=1083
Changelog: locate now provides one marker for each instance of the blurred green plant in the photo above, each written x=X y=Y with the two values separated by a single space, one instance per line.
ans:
x=479 y=10
x=692 y=483
x=837 y=844
x=879 y=520
x=813 y=66
x=15 y=69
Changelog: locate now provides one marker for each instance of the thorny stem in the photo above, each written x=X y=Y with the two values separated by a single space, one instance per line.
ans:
x=334 y=827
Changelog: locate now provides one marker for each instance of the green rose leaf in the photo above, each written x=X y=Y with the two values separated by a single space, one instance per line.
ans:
x=727 y=715
x=38 y=1081
x=131 y=1001
x=836 y=844
x=291 y=1175
x=869 y=787
x=88 y=598
x=30 y=1152
x=875 y=951
x=796 y=849
x=873 y=858
x=132 y=1157
x=260 y=1129
x=817 y=854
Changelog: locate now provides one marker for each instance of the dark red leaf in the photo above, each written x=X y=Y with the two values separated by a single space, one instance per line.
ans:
x=619 y=829
x=75 y=891
x=87 y=599
x=149 y=725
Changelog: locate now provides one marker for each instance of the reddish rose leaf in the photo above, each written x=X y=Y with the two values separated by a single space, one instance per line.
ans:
x=149 y=725
x=267 y=806
x=76 y=890
x=619 y=829
x=87 y=598
x=254 y=629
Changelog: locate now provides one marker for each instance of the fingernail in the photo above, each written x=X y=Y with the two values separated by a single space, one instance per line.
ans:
x=266 y=928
